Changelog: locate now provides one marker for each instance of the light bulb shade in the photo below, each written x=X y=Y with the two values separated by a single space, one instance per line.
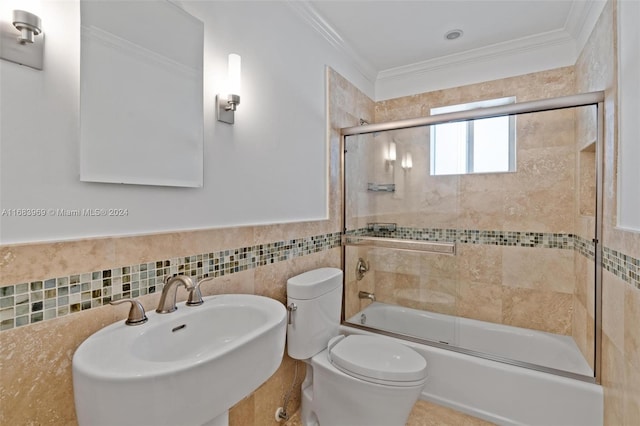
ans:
x=234 y=78
x=228 y=103
x=392 y=151
x=407 y=162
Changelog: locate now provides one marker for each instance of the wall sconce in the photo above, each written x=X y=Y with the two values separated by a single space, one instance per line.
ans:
x=23 y=44
x=227 y=104
x=407 y=161
x=28 y=24
x=391 y=155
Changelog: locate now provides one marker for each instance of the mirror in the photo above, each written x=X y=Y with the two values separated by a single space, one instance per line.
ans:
x=141 y=94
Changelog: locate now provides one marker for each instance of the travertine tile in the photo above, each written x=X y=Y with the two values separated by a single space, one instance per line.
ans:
x=550 y=210
x=546 y=129
x=270 y=396
x=427 y=414
x=243 y=413
x=613 y=319
x=36 y=372
x=579 y=328
x=27 y=262
x=631 y=396
x=632 y=327
x=482 y=209
x=479 y=301
x=239 y=282
x=613 y=381
x=479 y=263
x=538 y=269
x=424 y=414
x=538 y=310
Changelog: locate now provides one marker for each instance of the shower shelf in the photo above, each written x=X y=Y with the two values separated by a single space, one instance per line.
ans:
x=381 y=187
x=399 y=244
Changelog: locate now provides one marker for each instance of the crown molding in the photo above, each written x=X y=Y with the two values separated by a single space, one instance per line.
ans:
x=552 y=39
x=555 y=49
x=582 y=19
x=311 y=16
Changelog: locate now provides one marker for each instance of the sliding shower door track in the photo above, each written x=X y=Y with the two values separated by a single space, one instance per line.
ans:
x=490 y=357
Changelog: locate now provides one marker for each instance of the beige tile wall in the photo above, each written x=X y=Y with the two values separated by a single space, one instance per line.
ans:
x=525 y=287
x=596 y=70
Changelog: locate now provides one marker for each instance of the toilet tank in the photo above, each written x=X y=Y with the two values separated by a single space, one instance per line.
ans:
x=317 y=296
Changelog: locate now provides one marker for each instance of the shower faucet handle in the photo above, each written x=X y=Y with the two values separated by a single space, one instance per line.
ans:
x=362 y=267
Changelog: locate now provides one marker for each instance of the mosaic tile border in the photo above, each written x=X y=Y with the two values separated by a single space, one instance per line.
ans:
x=41 y=300
x=475 y=236
x=35 y=301
x=622 y=266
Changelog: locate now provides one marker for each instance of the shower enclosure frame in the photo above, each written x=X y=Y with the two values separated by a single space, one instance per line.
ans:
x=585 y=99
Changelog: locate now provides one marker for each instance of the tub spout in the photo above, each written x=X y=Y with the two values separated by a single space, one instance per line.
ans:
x=367 y=295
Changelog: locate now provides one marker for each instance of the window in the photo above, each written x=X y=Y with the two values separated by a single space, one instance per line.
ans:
x=474 y=146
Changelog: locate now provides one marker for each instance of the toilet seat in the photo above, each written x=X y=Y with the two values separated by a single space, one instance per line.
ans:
x=377 y=360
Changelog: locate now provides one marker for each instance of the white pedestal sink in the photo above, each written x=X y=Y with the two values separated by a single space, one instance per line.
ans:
x=187 y=367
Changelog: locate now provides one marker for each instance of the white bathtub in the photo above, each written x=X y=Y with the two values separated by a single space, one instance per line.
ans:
x=495 y=391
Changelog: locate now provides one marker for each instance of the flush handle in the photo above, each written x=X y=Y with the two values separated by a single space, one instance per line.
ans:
x=291 y=308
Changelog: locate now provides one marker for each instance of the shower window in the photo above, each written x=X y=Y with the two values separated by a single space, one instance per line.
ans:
x=474 y=146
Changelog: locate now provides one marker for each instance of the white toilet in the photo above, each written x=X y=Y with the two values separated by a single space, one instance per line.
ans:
x=351 y=380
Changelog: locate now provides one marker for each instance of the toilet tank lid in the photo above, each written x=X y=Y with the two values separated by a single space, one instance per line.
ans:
x=314 y=283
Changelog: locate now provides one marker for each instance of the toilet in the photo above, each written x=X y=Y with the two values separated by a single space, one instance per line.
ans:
x=351 y=380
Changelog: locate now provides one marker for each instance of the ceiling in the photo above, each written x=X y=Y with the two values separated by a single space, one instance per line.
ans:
x=391 y=34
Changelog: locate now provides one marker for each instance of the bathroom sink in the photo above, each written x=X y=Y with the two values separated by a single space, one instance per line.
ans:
x=187 y=367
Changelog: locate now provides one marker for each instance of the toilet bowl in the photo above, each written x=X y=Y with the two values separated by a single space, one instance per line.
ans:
x=351 y=380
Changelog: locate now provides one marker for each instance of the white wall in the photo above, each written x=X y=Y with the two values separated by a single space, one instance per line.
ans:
x=269 y=167
x=629 y=114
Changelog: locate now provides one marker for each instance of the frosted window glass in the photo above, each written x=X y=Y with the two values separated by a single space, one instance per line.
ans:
x=476 y=146
x=450 y=149
x=491 y=145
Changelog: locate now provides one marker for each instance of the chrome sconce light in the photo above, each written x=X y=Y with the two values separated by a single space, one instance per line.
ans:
x=28 y=24
x=228 y=103
x=23 y=44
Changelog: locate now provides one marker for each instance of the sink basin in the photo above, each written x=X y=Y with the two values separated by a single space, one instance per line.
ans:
x=187 y=367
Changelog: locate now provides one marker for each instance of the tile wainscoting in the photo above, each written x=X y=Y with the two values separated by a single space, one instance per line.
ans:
x=49 y=298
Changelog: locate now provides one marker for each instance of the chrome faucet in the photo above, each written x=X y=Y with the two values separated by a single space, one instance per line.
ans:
x=367 y=295
x=168 y=298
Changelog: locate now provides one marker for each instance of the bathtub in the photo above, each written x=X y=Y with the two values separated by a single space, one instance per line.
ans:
x=485 y=386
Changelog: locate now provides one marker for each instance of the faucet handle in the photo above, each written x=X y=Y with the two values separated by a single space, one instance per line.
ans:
x=195 y=296
x=137 y=315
